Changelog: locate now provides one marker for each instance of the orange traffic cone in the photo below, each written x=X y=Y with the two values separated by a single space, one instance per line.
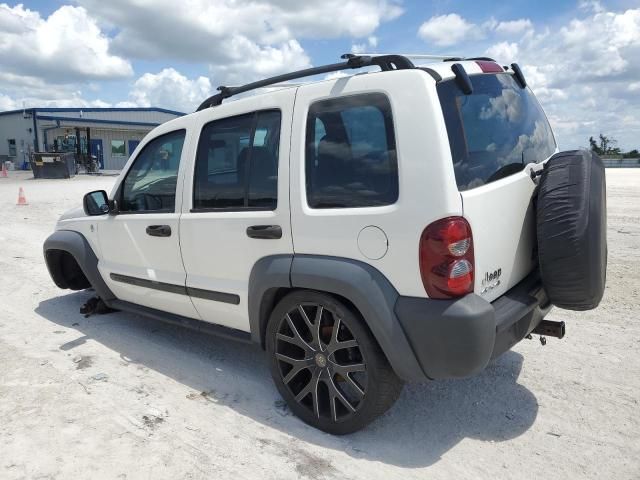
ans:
x=4 y=170
x=22 y=200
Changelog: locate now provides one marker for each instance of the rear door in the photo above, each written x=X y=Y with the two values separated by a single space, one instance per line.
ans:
x=236 y=203
x=497 y=135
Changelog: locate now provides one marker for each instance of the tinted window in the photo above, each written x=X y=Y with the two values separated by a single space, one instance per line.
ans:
x=495 y=131
x=351 y=153
x=237 y=163
x=150 y=184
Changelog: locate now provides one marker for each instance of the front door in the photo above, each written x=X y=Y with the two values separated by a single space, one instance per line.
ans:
x=236 y=206
x=141 y=261
x=97 y=151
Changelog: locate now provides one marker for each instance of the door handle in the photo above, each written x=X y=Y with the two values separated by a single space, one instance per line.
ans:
x=264 y=231
x=159 y=230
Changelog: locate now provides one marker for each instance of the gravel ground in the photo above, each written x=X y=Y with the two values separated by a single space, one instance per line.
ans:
x=120 y=396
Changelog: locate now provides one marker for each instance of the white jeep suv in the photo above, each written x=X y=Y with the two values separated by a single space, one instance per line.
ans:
x=403 y=224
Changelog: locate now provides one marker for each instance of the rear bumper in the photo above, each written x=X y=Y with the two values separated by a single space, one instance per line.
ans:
x=457 y=338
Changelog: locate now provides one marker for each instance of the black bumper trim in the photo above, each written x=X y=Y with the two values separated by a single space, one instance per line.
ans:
x=457 y=338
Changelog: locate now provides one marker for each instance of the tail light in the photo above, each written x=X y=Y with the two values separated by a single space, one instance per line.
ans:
x=446 y=258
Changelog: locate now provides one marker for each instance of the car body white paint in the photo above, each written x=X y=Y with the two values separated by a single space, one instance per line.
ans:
x=211 y=250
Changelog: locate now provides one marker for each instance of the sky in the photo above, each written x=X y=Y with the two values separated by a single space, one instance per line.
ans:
x=581 y=58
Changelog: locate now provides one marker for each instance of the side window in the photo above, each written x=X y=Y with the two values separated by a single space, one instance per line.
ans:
x=150 y=184
x=237 y=163
x=351 y=153
x=117 y=148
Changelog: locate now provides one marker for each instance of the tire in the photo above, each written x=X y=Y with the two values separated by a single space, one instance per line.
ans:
x=572 y=229
x=343 y=380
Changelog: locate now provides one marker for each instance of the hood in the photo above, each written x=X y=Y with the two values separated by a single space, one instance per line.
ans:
x=77 y=212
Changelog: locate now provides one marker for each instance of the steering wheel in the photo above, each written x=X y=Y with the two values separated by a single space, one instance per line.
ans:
x=147 y=201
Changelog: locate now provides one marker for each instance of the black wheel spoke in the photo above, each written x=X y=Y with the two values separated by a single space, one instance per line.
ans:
x=340 y=345
x=345 y=370
x=335 y=344
x=336 y=394
x=294 y=371
x=316 y=325
x=354 y=385
x=297 y=338
x=306 y=319
x=293 y=361
x=311 y=388
x=334 y=410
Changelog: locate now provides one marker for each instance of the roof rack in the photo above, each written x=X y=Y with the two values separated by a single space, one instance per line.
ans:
x=417 y=56
x=385 y=62
x=444 y=58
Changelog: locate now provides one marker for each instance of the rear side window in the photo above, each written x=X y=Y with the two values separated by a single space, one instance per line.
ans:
x=237 y=163
x=351 y=153
x=150 y=184
x=495 y=131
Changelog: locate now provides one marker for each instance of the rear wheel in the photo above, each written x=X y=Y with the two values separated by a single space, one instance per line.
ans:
x=326 y=364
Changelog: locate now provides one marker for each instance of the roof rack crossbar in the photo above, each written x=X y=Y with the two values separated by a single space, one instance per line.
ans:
x=385 y=62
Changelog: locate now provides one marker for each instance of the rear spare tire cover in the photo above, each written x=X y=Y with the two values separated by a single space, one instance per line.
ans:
x=572 y=229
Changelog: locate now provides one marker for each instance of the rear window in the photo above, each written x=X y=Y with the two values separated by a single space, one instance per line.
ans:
x=495 y=131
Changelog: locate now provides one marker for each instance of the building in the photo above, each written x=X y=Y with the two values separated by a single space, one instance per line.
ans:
x=111 y=134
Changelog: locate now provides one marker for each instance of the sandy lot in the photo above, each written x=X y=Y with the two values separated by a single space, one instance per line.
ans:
x=119 y=396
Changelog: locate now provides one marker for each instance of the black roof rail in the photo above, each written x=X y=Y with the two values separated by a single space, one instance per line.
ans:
x=385 y=62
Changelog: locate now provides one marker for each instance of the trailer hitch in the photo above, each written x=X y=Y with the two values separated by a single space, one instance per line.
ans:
x=550 y=328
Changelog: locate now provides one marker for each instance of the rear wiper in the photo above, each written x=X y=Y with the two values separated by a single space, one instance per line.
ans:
x=505 y=171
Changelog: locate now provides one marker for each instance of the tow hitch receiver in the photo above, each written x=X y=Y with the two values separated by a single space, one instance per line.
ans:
x=549 y=328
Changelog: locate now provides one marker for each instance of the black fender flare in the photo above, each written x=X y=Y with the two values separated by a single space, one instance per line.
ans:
x=360 y=283
x=78 y=247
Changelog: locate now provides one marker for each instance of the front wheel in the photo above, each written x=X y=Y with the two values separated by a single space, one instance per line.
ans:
x=327 y=365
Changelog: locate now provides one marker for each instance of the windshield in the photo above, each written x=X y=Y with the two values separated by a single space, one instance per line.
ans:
x=495 y=131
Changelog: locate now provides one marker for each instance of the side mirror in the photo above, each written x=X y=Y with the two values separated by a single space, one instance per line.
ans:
x=96 y=203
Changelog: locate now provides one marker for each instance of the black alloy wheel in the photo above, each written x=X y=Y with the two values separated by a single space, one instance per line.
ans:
x=326 y=363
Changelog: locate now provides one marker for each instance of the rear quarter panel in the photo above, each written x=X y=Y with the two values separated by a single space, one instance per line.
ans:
x=427 y=187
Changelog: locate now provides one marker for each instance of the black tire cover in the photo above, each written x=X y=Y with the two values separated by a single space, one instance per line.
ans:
x=572 y=229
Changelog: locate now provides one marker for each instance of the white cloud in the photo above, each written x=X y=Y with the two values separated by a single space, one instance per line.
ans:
x=169 y=89
x=503 y=52
x=452 y=29
x=584 y=73
x=66 y=45
x=235 y=40
x=447 y=30
x=365 y=47
x=26 y=91
x=7 y=103
x=234 y=35
x=514 y=27
x=252 y=62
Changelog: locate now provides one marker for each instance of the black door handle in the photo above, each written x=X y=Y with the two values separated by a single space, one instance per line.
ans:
x=159 y=230
x=264 y=231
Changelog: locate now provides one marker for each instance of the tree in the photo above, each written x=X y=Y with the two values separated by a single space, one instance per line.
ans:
x=605 y=145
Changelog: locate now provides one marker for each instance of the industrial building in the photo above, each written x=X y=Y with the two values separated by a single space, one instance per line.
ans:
x=110 y=134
